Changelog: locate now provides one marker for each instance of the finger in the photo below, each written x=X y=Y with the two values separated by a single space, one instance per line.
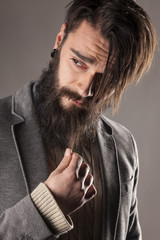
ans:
x=75 y=163
x=91 y=192
x=65 y=161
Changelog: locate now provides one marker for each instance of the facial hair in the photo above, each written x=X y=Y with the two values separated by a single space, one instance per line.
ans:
x=63 y=127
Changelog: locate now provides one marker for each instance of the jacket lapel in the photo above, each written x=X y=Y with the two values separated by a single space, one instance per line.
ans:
x=27 y=139
x=110 y=179
x=32 y=158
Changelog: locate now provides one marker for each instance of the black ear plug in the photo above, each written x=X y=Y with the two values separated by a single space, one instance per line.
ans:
x=53 y=53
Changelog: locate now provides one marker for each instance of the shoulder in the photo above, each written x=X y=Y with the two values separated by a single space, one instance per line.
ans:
x=5 y=102
x=116 y=129
x=124 y=140
x=5 y=108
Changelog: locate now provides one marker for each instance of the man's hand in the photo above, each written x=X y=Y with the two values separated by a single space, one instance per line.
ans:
x=71 y=183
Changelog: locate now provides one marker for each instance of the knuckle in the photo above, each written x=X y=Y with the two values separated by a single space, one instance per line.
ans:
x=77 y=157
x=76 y=154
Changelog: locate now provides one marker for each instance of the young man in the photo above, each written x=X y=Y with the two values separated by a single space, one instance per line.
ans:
x=55 y=141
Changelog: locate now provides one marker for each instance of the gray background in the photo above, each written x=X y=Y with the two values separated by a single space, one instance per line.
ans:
x=27 y=33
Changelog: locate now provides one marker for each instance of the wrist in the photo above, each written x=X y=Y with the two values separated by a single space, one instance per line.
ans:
x=50 y=210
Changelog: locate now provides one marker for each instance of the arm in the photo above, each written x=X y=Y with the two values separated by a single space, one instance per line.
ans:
x=70 y=186
x=70 y=183
x=22 y=221
x=134 y=230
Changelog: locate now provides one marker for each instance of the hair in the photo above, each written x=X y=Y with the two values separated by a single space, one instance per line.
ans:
x=132 y=40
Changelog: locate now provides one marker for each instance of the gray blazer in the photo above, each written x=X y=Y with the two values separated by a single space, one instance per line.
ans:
x=23 y=166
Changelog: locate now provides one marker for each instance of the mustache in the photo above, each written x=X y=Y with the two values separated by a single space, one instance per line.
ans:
x=66 y=92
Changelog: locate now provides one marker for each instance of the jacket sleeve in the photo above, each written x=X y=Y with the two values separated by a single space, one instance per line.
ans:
x=22 y=221
x=32 y=219
x=134 y=229
x=20 y=217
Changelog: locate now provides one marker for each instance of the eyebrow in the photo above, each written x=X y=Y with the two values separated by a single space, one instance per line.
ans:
x=90 y=60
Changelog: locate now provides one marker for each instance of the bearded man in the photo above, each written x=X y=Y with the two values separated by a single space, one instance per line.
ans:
x=66 y=170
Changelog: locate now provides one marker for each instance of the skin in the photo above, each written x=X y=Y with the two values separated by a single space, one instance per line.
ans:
x=71 y=183
x=82 y=56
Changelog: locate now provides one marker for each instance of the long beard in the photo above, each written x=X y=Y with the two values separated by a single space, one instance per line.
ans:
x=71 y=127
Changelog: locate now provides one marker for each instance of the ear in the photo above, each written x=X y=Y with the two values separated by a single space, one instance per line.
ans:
x=60 y=36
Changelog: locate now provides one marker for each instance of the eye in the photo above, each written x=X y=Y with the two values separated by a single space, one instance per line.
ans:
x=78 y=63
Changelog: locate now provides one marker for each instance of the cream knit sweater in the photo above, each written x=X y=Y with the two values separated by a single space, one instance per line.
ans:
x=50 y=211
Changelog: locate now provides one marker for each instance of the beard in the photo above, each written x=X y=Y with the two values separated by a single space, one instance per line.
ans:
x=62 y=127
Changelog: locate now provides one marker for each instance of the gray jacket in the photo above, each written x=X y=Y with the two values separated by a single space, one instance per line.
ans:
x=23 y=166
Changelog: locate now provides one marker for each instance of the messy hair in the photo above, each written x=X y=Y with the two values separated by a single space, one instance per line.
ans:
x=132 y=41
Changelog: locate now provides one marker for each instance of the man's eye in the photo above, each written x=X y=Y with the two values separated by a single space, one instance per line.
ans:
x=77 y=62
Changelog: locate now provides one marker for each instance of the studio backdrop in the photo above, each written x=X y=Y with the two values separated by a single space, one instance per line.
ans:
x=27 y=34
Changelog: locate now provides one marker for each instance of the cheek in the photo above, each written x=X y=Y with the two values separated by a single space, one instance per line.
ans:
x=66 y=75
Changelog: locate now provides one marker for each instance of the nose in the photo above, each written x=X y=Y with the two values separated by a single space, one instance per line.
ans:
x=84 y=86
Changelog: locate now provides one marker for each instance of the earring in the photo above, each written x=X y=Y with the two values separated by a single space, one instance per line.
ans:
x=53 y=52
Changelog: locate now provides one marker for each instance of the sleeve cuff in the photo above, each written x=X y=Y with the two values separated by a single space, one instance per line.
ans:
x=50 y=211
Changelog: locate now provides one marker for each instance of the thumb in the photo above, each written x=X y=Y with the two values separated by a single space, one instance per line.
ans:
x=65 y=161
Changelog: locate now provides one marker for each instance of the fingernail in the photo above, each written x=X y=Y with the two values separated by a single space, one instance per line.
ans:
x=67 y=152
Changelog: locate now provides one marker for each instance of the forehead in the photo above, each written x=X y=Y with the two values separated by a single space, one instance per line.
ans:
x=89 y=42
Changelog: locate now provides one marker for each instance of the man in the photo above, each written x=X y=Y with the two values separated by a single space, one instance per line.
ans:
x=55 y=140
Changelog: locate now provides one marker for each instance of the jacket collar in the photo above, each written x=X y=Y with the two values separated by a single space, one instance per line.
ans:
x=22 y=106
x=27 y=139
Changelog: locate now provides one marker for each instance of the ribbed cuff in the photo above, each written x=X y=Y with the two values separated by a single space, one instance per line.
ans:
x=49 y=209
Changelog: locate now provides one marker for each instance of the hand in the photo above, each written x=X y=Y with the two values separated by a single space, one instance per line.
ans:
x=71 y=183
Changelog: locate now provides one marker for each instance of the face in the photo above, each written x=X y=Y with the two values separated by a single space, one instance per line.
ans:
x=83 y=55
x=65 y=107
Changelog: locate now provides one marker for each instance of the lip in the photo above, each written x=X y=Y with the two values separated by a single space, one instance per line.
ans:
x=78 y=103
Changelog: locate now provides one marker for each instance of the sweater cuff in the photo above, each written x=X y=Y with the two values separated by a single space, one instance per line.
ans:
x=50 y=211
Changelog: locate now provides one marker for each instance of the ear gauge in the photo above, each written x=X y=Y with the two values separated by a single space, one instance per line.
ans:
x=53 y=52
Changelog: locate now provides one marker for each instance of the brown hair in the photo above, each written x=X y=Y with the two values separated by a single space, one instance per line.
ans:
x=132 y=43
